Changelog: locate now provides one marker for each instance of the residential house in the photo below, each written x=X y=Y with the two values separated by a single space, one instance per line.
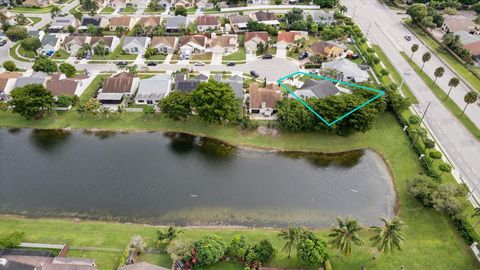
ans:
x=61 y=24
x=474 y=49
x=126 y=22
x=37 y=3
x=459 y=22
x=117 y=4
x=190 y=44
x=110 y=42
x=74 y=43
x=165 y=3
x=259 y=2
x=184 y=3
x=348 y=69
x=36 y=78
x=328 y=49
x=60 y=85
x=207 y=22
x=321 y=17
x=135 y=45
x=175 y=23
x=100 y=22
x=235 y=82
x=184 y=84
x=49 y=44
x=164 y=44
x=150 y=22
x=36 y=33
x=142 y=266
x=252 y=39
x=204 y=4
x=115 y=88
x=316 y=89
x=7 y=83
x=152 y=90
x=225 y=44
x=470 y=42
x=102 y=4
x=264 y=100
x=239 y=22
x=286 y=38
x=268 y=18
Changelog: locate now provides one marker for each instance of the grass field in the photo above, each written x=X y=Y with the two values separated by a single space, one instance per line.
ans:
x=116 y=54
x=239 y=55
x=107 y=10
x=34 y=20
x=128 y=10
x=31 y=9
x=92 y=88
x=448 y=103
x=60 y=55
x=431 y=239
x=26 y=53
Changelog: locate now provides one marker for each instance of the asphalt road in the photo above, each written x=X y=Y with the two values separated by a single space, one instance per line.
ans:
x=384 y=28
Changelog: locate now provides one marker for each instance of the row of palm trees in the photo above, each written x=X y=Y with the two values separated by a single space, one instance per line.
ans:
x=469 y=98
x=386 y=238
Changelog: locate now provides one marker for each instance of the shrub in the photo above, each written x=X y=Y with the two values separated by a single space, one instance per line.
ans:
x=16 y=33
x=65 y=101
x=9 y=65
x=239 y=246
x=31 y=43
x=209 y=250
x=12 y=240
x=435 y=154
x=311 y=250
x=414 y=120
x=122 y=261
x=148 y=109
x=264 y=251
x=466 y=230
x=429 y=143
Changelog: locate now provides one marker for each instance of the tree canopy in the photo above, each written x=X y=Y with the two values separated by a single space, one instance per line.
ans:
x=176 y=106
x=45 y=64
x=209 y=250
x=215 y=102
x=31 y=100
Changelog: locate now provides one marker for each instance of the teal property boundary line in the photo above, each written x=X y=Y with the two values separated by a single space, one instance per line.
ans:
x=379 y=94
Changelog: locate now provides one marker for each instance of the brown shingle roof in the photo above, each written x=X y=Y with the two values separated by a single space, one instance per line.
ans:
x=60 y=87
x=265 y=16
x=261 y=35
x=207 y=20
x=287 y=36
x=169 y=41
x=95 y=40
x=120 y=21
x=474 y=48
x=270 y=95
x=80 y=40
x=150 y=21
x=319 y=47
x=224 y=41
x=235 y=19
x=120 y=83
x=200 y=40
x=10 y=75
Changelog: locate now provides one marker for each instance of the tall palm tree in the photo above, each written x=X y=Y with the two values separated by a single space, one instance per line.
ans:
x=438 y=73
x=345 y=234
x=169 y=235
x=290 y=235
x=418 y=132
x=452 y=83
x=470 y=97
x=388 y=237
x=425 y=58
x=414 y=49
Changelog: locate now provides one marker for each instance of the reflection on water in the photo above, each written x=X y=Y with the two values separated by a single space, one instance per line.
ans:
x=183 y=179
x=102 y=134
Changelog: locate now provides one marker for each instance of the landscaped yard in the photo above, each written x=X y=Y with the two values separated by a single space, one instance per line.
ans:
x=31 y=9
x=128 y=10
x=34 y=20
x=26 y=53
x=271 y=50
x=61 y=55
x=205 y=57
x=107 y=10
x=116 y=54
x=91 y=90
x=237 y=56
x=157 y=57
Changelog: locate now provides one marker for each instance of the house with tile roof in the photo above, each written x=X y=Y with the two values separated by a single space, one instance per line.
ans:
x=149 y=22
x=126 y=22
x=239 y=22
x=265 y=17
x=207 y=23
x=263 y=100
x=193 y=43
x=50 y=44
x=286 y=38
x=185 y=84
x=235 y=82
x=7 y=83
x=72 y=44
x=110 y=42
x=316 y=89
x=175 y=23
x=252 y=39
x=164 y=44
x=459 y=22
x=115 y=88
x=320 y=17
x=60 y=85
x=225 y=44
x=37 y=3
x=328 y=49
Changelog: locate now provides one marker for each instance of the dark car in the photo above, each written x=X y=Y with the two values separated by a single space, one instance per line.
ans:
x=254 y=74
x=230 y=64
x=267 y=56
x=303 y=56
x=3 y=42
x=122 y=63
x=408 y=37
x=151 y=64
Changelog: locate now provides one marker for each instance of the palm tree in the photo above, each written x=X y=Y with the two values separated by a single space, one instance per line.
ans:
x=438 y=73
x=169 y=235
x=345 y=234
x=476 y=214
x=418 y=132
x=425 y=58
x=414 y=49
x=389 y=236
x=452 y=83
x=469 y=98
x=290 y=235
x=55 y=11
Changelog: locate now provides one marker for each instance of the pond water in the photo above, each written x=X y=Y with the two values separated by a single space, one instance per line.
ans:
x=165 y=178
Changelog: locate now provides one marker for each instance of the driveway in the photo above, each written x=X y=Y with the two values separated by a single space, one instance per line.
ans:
x=217 y=59
x=272 y=69
x=281 y=52
x=251 y=56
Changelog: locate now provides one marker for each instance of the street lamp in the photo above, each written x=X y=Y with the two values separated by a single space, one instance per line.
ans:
x=406 y=73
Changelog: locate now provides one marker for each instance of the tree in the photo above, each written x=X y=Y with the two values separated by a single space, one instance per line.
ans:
x=101 y=48
x=31 y=44
x=89 y=6
x=444 y=168
x=452 y=83
x=300 y=25
x=180 y=11
x=133 y=69
x=325 y=3
x=239 y=246
x=168 y=235
x=45 y=64
x=476 y=213
x=264 y=251
x=137 y=30
x=12 y=239
x=425 y=58
x=292 y=116
x=137 y=244
x=384 y=72
x=209 y=250
x=345 y=235
x=68 y=69
x=176 y=106
x=429 y=143
x=92 y=105
x=417 y=132
x=148 y=109
x=154 y=6
x=94 y=30
x=414 y=120
x=21 y=19
x=9 y=65
x=16 y=33
x=180 y=251
x=417 y=12
x=55 y=11
x=296 y=14
x=438 y=73
x=470 y=97
x=414 y=48
x=31 y=101
x=311 y=250
x=290 y=236
x=120 y=31
x=476 y=7
x=427 y=22
x=435 y=154
x=389 y=236
x=215 y=102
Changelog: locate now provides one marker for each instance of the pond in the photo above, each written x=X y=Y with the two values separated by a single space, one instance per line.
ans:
x=174 y=178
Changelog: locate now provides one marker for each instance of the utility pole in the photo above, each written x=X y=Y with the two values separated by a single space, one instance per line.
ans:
x=403 y=79
x=425 y=112
x=368 y=28
x=473 y=190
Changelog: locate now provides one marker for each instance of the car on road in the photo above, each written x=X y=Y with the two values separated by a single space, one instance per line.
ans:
x=3 y=42
x=267 y=56
x=230 y=64
x=199 y=64
x=303 y=55
x=151 y=64
x=352 y=56
x=122 y=63
x=254 y=74
x=313 y=71
x=407 y=37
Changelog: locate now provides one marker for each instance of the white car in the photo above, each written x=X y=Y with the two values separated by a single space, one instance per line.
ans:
x=199 y=64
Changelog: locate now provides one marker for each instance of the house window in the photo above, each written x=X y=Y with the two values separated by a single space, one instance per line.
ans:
x=149 y=102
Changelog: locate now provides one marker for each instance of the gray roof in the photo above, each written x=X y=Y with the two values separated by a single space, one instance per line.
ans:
x=22 y=81
x=62 y=21
x=49 y=40
x=235 y=82
x=320 y=15
x=140 y=41
x=34 y=33
x=320 y=88
x=154 y=88
x=467 y=38
x=176 y=22
x=348 y=68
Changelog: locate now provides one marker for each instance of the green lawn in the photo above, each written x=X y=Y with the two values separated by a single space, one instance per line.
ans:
x=12 y=52
x=61 y=55
x=202 y=56
x=448 y=103
x=157 y=57
x=26 y=53
x=431 y=239
x=459 y=67
x=128 y=10
x=270 y=50
x=157 y=259
x=107 y=10
x=31 y=9
x=34 y=20
x=92 y=88
x=116 y=55
x=239 y=55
